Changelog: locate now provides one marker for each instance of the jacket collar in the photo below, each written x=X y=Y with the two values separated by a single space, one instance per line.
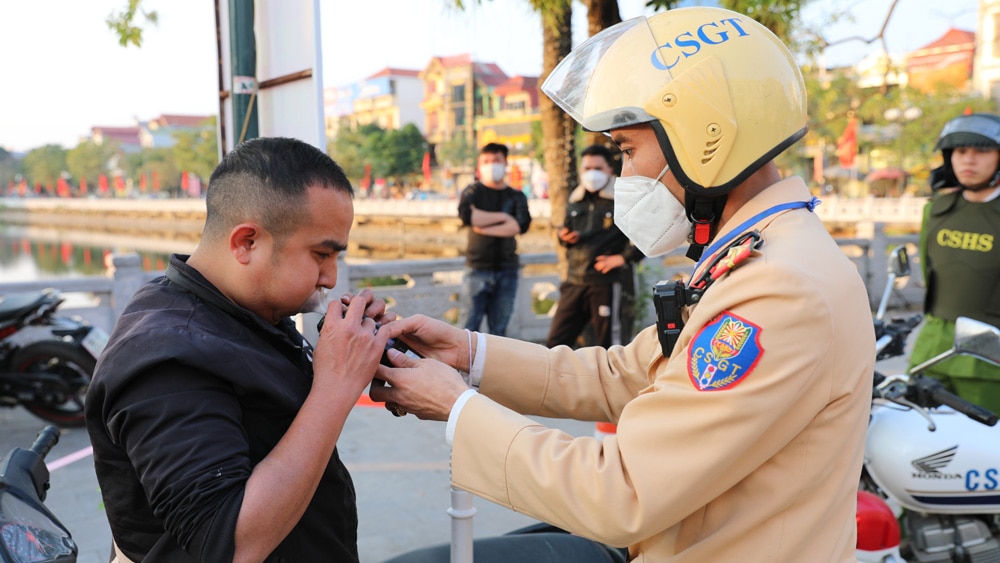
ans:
x=607 y=192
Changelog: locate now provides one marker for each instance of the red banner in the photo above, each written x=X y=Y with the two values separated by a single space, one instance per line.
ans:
x=847 y=145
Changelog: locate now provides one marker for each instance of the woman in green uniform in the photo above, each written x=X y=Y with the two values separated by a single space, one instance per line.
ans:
x=960 y=255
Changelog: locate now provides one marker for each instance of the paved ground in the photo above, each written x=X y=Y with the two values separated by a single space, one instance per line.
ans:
x=400 y=470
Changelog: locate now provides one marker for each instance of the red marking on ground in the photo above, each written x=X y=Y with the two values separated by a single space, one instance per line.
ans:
x=365 y=401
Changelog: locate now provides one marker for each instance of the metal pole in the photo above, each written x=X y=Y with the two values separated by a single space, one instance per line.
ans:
x=243 y=52
x=461 y=513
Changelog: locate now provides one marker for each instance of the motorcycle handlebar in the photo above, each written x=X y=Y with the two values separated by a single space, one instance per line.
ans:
x=935 y=394
x=47 y=438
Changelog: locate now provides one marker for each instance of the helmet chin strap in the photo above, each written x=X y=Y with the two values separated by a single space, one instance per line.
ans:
x=704 y=213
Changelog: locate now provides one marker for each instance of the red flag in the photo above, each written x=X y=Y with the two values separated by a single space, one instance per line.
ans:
x=83 y=186
x=366 y=181
x=184 y=181
x=142 y=183
x=102 y=181
x=156 y=180
x=847 y=145
x=426 y=167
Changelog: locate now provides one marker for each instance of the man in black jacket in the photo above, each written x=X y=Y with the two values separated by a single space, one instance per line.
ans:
x=599 y=287
x=214 y=423
x=495 y=214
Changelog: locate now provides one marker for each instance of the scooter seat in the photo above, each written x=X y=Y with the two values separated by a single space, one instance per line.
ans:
x=14 y=305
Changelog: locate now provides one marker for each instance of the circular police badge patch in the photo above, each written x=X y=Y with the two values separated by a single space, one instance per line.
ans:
x=723 y=352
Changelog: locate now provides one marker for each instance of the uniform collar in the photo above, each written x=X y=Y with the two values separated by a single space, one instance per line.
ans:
x=784 y=191
x=758 y=212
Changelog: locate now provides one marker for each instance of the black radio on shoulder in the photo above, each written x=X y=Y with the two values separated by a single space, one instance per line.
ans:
x=392 y=343
x=669 y=299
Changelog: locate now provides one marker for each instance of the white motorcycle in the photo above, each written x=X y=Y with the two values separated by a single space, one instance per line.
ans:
x=933 y=457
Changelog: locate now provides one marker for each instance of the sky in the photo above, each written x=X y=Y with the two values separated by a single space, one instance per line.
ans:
x=62 y=70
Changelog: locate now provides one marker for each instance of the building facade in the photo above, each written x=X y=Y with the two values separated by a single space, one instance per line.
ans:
x=457 y=91
x=986 y=74
x=946 y=60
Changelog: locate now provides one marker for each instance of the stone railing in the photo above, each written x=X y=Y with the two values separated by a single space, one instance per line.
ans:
x=433 y=287
x=189 y=213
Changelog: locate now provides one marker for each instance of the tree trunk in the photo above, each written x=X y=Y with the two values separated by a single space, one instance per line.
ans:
x=601 y=14
x=558 y=128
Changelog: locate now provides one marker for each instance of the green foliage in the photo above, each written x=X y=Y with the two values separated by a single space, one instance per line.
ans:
x=159 y=162
x=123 y=23
x=198 y=150
x=45 y=164
x=88 y=160
x=392 y=154
x=10 y=168
x=459 y=152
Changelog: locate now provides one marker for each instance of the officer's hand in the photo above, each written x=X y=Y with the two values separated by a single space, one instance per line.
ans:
x=424 y=387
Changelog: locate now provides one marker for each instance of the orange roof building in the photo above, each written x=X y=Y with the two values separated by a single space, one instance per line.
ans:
x=947 y=60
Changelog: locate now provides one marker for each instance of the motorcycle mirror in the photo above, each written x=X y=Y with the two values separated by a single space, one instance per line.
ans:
x=899 y=262
x=899 y=267
x=977 y=339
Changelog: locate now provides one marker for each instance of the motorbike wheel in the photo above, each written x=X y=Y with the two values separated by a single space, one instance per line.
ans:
x=68 y=361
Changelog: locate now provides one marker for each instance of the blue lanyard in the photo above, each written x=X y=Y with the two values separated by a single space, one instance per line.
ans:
x=721 y=243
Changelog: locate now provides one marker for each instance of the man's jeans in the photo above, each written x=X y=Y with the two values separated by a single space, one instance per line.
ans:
x=490 y=293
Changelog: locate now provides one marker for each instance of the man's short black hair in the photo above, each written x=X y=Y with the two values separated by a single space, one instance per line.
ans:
x=265 y=181
x=600 y=150
x=494 y=148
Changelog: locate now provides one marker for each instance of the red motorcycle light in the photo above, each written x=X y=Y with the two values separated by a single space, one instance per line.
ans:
x=877 y=525
x=7 y=331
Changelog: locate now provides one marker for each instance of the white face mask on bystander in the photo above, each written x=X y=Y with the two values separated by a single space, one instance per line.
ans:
x=594 y=180
x=492 y=172
x=649 y=215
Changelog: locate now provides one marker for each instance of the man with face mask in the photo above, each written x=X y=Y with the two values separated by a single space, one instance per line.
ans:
x=960 y=255
x=599 y=285
x=495 y=214
x=741 y=416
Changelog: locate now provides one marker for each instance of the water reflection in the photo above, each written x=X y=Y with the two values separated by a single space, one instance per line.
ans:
x=28 y=254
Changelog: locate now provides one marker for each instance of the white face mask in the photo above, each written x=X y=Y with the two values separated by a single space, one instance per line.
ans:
x=594 y=180
x=492 y=172
x=649 y=215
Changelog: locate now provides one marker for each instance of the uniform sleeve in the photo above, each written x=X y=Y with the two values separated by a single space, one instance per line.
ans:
x=677 y=447
x=181 y=430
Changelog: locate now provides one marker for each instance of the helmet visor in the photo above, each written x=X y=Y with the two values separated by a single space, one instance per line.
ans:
x=606 y=81
x=970 y=130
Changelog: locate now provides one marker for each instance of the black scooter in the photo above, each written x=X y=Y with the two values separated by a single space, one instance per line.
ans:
x=46 y=359
x=29 y=532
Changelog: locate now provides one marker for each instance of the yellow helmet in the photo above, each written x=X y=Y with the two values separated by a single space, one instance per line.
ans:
x=723 y=94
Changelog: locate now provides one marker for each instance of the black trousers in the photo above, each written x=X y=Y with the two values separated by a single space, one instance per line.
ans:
x=604 y=306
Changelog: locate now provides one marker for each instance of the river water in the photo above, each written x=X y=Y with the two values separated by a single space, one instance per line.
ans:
x=30 y=253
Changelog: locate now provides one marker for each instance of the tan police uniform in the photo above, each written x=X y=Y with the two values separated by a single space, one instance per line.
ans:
x=745 y=446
